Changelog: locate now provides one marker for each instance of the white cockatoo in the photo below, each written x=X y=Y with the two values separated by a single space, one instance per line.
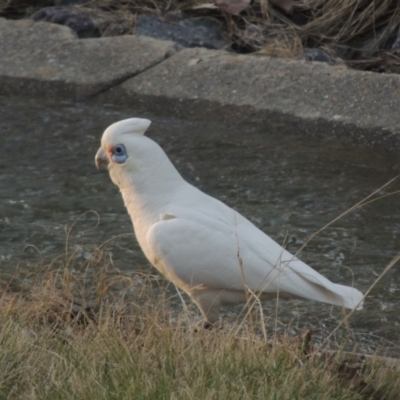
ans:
x=201 y=245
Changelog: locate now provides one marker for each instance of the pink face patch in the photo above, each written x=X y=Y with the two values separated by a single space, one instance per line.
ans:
x=109 y=150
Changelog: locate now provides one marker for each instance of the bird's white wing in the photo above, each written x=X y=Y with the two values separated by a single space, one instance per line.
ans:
x=196 y=253
x=226 y=251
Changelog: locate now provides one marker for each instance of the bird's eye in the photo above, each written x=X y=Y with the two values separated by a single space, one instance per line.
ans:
x=119 y=154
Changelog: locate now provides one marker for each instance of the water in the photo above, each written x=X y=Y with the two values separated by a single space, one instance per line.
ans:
x=288 y=185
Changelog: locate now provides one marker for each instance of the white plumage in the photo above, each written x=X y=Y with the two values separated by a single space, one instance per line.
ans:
x=201 y=245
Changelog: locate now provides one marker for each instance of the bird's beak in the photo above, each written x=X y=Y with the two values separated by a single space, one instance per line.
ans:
x=101 y=159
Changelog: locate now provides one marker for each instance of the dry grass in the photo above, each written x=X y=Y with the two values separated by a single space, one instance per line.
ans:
x=97 y=334
x=356 y=30
x=359 y=31
x=344 y=21
x=78 y=328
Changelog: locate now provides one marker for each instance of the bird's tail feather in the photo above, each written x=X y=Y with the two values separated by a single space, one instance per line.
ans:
x=339 y=295
x=302 y=281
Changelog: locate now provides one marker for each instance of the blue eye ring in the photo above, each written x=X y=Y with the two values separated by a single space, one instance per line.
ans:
x=119 y=154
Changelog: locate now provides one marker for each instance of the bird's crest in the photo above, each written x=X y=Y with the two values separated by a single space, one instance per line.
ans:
x=137 y=126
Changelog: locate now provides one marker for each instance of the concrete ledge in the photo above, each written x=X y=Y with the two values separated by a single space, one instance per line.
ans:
x=48 y=60
x=307 y=90
x=154 y=76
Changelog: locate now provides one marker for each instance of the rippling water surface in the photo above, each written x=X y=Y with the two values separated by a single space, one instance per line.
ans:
x=288 y=185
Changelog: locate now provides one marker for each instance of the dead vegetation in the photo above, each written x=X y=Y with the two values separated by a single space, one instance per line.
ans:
x=363 y=34
x=76 y=327
x=129 y=344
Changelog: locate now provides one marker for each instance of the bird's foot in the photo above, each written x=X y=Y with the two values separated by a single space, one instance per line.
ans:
x=208 y=325
x=205 y=325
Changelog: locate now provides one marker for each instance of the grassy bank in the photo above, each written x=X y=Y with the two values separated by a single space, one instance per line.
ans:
x=76 y=328
x=65 y=338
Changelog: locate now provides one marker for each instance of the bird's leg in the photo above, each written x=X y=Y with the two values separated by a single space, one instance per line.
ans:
x=208 y=325
x=209 y=304
x=203 y=326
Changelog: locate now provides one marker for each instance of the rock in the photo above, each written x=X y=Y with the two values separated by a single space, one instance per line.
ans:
x=20 y=8
x=86 y=22
x=115 y=28
x=48 y=60
x=341 y=51
x=316 y=55
x=187 y=32
x=81 y=24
